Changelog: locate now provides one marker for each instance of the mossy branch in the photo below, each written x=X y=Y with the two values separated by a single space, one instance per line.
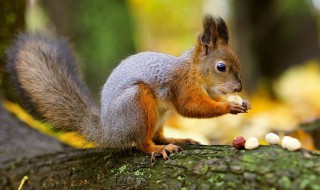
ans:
x=197 y=167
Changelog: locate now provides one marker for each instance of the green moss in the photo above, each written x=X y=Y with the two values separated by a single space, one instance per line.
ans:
x=138 y=172
x=309 y=164
x=122 y=168
x=268 y=167
x=248 y=158
x=216 y=178
x=285 y=182
x=219 y=184
x=180 y=178
x=107 y=157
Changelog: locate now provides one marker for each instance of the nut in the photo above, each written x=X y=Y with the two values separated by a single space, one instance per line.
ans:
x=292 y=144
x=285 y=141
x=235 y=98
x=272 y=138
x=238 y=142
x=251 y=143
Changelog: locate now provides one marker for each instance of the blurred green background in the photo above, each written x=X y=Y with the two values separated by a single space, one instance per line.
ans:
x=269 y=36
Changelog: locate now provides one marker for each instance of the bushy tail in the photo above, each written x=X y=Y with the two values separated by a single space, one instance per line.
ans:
x=44 y=72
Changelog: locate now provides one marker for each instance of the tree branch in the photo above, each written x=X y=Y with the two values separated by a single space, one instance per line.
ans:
x=197 y=167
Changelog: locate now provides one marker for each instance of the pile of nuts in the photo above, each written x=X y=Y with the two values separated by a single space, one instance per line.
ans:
x=290 y=143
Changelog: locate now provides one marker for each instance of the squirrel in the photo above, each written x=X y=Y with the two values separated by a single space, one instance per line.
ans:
x=137 y=96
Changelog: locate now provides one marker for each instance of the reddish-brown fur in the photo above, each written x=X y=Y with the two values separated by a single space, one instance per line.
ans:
x=146 y=100
x=190 y=99
x=161 y=139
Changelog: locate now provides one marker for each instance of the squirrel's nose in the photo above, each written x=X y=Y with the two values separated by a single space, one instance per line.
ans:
x=238 y=88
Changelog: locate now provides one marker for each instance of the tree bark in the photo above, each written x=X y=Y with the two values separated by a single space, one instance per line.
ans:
x=197 y=167
x=17 y=140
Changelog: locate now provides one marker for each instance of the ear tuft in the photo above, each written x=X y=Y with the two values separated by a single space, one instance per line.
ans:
x=209 y=30
x=222 y=30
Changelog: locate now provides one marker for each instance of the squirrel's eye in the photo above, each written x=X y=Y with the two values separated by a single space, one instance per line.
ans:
x=221 y=67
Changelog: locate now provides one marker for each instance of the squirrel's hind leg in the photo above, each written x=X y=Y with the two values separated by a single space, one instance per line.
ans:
x=147 y=103
x=159 y=138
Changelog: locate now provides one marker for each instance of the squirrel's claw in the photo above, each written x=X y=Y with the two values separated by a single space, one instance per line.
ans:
x=246 y=104
x=236 y=108
x=171 y=148
x=153 y=158
x=165 y=153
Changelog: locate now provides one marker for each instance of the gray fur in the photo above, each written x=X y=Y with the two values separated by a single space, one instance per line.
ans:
x=122 y=121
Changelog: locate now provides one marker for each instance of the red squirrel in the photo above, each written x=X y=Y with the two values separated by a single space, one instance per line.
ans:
x=138 y=95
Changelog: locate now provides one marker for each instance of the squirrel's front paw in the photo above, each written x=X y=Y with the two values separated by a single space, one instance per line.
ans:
x=235 y=99
x=235 y=108
x=246 y=104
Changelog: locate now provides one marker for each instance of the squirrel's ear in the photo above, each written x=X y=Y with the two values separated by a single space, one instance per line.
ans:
x=222 y=30
x=209 y=36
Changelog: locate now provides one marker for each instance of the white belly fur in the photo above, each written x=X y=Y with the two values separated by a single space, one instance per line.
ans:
x=164 y=109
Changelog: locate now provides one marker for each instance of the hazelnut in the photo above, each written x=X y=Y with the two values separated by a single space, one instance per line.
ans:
x=238 y=142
